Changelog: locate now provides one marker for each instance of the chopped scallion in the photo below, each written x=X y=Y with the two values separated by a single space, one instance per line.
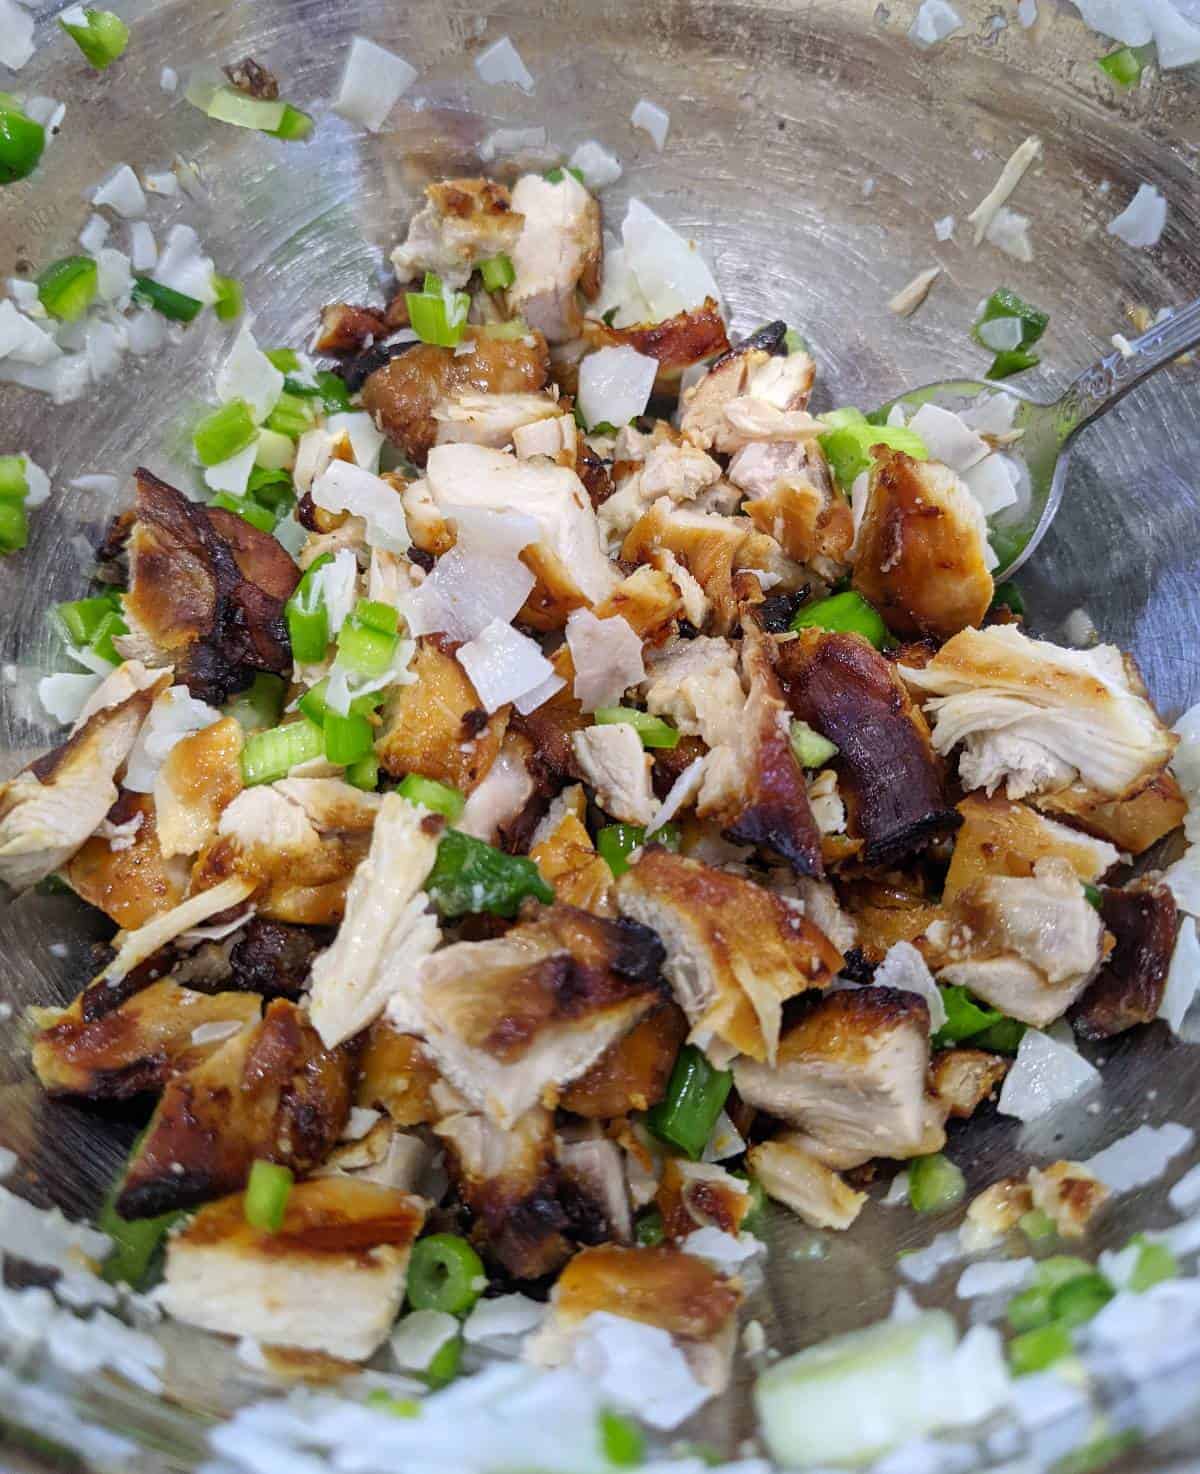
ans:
x=102 y=37
x=847 y=612
x=811 y=749
x=231 y=299
x=229 y=105
x=1123 y=66
x=66 y=288
x=347 y=738
x=136 y=1242
x=470 y=876
x=364 y=773
x=437 y=315
x=1155 y=1263
x=271 y=755
x=430 y=794
x=291 y=416
x=1036 y=1350
x=497 y=273
x=307 y=617
x=653 y=731
x=224 y=432
x=249 y=511
x=260 y=705
x=1036 y=1224
x=294 y=126
x=1080 y=1299
x=622 y=1441
x=446 y=1363
x=267 y=1192
x=445 y=1273
x=649 y=1230
x=696 y=1095
x=22 y=142
x=382 y=1401
x=1008 y=594
x=555 y=176
x=166 y=300
x=616 y=842
x=1012 y=361
x=363 y=647
x=934 y=1184
x=14 y=479
x=851 y=438
x=14 y=527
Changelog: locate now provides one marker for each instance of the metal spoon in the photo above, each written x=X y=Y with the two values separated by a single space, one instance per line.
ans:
x=1049 y=429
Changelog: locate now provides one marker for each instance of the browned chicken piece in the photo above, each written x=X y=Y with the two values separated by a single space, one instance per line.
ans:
x=558 y=253
x=695 y=1195
x=513 y=1020
x=593 y=1189
x=349 y=329
x=509 y=1179
x=755 y=785
x=272 y=1091
x=206 y=593
x=463 y=222
x=696 y=685
x=632 y=1074
x=495 y=420
x=563 y=851
x=963 y=1079
x=735 y=951
x=130 y=881
x=921 y=553
x=1003 y=838
x=1132 y=824
x=397 y=1075
x=272 y=958
x=139 y=1045
x=851 y=1077
x=885 y=913
x=677 y=342
x=200 y=775
x=1129 y=988
x=659 y=464
x=994 y=1212
x=329 y=1280
x=888 y=775
x=496 y=810
x=401 y=395
x=436 y=726
x=755 y=391
x=791 y=496
x=664 y=1287
x=1068 y=1194
x=791 y=1175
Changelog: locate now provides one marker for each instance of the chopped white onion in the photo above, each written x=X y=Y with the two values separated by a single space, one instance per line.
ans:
x=947 y=439
x=365 y=440
x=1045 y=1074
x=419 y=1336
x=607 y=654
x=596 y=164
x=1027 y=12
x=467 y=591
x=638 y=1368
x=503 y=665
x=145 y=331
x=1185 y=1195
x=993 y=1276
x=164 y=182
x=232 y=475
x=1123 y=20
x=680 y=794
x=620 y=298
x=168 y=79
x=175 y=714
x=64 y=379
x=342 y=487
x=1009 y=232
x=1001 y=334
x=943 y=229
x=993 y=483
x=615 y=385
x=539 y=695
x=47 y=111
x=506 y=1315
x=143 y=248
x=22 y=339
x=670 y=273
x=63 y=696
x=1142 y=222
x=104 y=346
x=248 y=374
x=114 y=275
x=1183 y=977
x=726 y=1140
x=94 y=234
x=726 y=1252
x=651 y=119
x=122 y=192
x=184 y=267
x=373 y=81
x=1175 y=36
x=1141 y=1157
x=904 y=968
x=25 y=295
x=934 y=21
x=511 y=141
x=16 y=35
x=501 y=62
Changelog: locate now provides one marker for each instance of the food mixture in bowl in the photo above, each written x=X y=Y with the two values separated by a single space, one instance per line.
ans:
x=556 y=794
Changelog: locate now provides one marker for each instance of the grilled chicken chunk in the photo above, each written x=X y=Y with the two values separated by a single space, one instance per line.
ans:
x=695 y=684
x=963 y=1079
x=397 y=1075
x=694 y=1195
x=883 y=914
x=48 y=811
x=199 y=777
x=994 y=1212
x=557 y=253
x=271 y=1091
x=851 y=1077
x=474 y=418
x=594 y=1190
x=735 y=952
x=888 y=775
x=922 y=556
x=1132 y=824
x=1129 y=988
x=755 y=391
x=347 y=328
x=122 y=872
x=676 y=343
x=463 y=222
x=562 y=849
x=1069 y=1194
x=632 y=1073
x=512 y=1020
x=395 y=1159
x=1028 y=946
x=402 y=395
x=139 y=1045
x=148 y=944
x=1033 y=716
x=387 y=929
x=1002 y=838
x=791 y=1175
x=790 y=495
x=612 y=761
x=663 y=1287
x=330 y=1280
x=272 y=958
x=652 y=466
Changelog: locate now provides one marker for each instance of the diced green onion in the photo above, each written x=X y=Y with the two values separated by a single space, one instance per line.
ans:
x=21 y=144
x=1003 y=303
x=505 y=332
x=316 y=708
x=1059 y=1269
x=438 y=316
x=66 y=288
x=260 y=705
x=431 y=794
x=1036 y=1350
x=1123 y=66
x=78 y=620
x=271 y=486
x=231 y=299
x=267 y=1192
x=102 y=641
x=1094 y=895
x=446 y=1363
x=811 y=749
x=286 y=360
x=364 y=773
x=307 y=617
x=445 y=1273
x=14 y=527
x=616 y=842
x=271 y=755
x=377 y=615
x=848 y=612
x=1001 y=1038
x=1036 y=1224
x=653 y=731
x=249 y=511
x=333 y=392
x=795 y=342
x=166 y=300
x=649 y=1230
x=224 y=432
x=1008 y=594
x=229 y=105
x=1081 y=1298
x=1030 y=1309
x=134 y=1256
x=347 y=738
x=364 y=648
x=756 y=1214
x=696 y=1095
x=470 y=876
x=935 y=1184
x=102 y=38
x=14 y=479
x=294 y=126
x=848 y=444
x=555 y=176
x=1155 y=1263
x=382 y=1401
x=622 y=1441
x=1012 y=361
x=497 y=273
x=291 y=416
x=967 y=1019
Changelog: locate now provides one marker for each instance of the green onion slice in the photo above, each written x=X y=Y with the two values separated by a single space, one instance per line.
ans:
x=266 y=1198
x=445 y=1273
x=102 y=37
x=166 y=300
x=470 y=876
x=497 y=273
x=848 y=613
x=696 y=1095
x=66 y=288
x=22 y=142
x=224 y=432
x=811 y=749
x=271 y=755
x=430 y=794
x=653 y=731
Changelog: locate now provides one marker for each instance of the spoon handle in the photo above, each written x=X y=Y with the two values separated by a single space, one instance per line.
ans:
x=1098 y=388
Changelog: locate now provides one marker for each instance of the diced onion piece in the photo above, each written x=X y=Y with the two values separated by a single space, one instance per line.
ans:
x=607 y=654
x=670 y=273
x=64 y=696
x=122 y=192
x=506 y=1315
x=419 y=1336
x=22 y=339
x=232 y=475
x=365 y=440
x=114 y=275
x=615 y=385
x=1140 y=1157
x=1123 y=20
x=511 y=141
x=904 y=968
x=501 y=62
x=596 y=164
x=143 y=248
x=993 y=483
x=947 y=439
x=342 y=487
x=145 y=331
x=184 y=267
x=934 y=21
x=1183 y=977
x=1009 y=232
x=163 y=182
x=651 y=119
x=1044 y=1075
x=466 y=592
x=539 y=695
x=103 y=347
x=16 y=35
x=373 y=81
x=943 y=229
x=1142 y=222
x=503 y=665
x=1001 y=333
x=94 y=234
x=638 y=1368
x=248 y=374
x=1175 y=36
x=168 y=79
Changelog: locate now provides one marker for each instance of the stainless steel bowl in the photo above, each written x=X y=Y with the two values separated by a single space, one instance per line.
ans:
x=811 y=149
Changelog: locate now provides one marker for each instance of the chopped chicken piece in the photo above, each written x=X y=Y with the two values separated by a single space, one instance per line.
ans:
x=1132 y=824
x=509 y=1021
x=1033 y=716
x=270 y=1091
x=430 y=531
x=922 y=555
x=695 y=602
x=851 y=1075
x=559 y=250
x=474 y=418
x=557 y=437
x=994 y=1212
x=963 y=1079
x=200 y=775
x=137 y=1045
x=790 y=495
x=133 y=948
x=888 y=775
x=671 y=469
x=562 y=849
x=613 y=761
x=735 y=952
x=1029 y=946
x=632 y=1074
x=694 y=1195
x=503 y=795
x=331 y=1279
x=272 y=958
x=593 y=1171
x=53 y=806
x=402 y=395
x=676 y=342
x=346 y=328
x=1129 y=988
x=695 y=684
x=387 y=929
x=1003 y=838
x=463 y=222
x=391 y=1158
x=397 y=1075
x=1068 y=1194
x=752 y=392
x=664 y=1287
x=127 y=877
x=817 y=900
x=509 y=1180
x=884 y=914
x=793 y=1176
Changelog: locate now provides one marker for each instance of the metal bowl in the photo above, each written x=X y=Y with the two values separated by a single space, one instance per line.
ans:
x=811 y=149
